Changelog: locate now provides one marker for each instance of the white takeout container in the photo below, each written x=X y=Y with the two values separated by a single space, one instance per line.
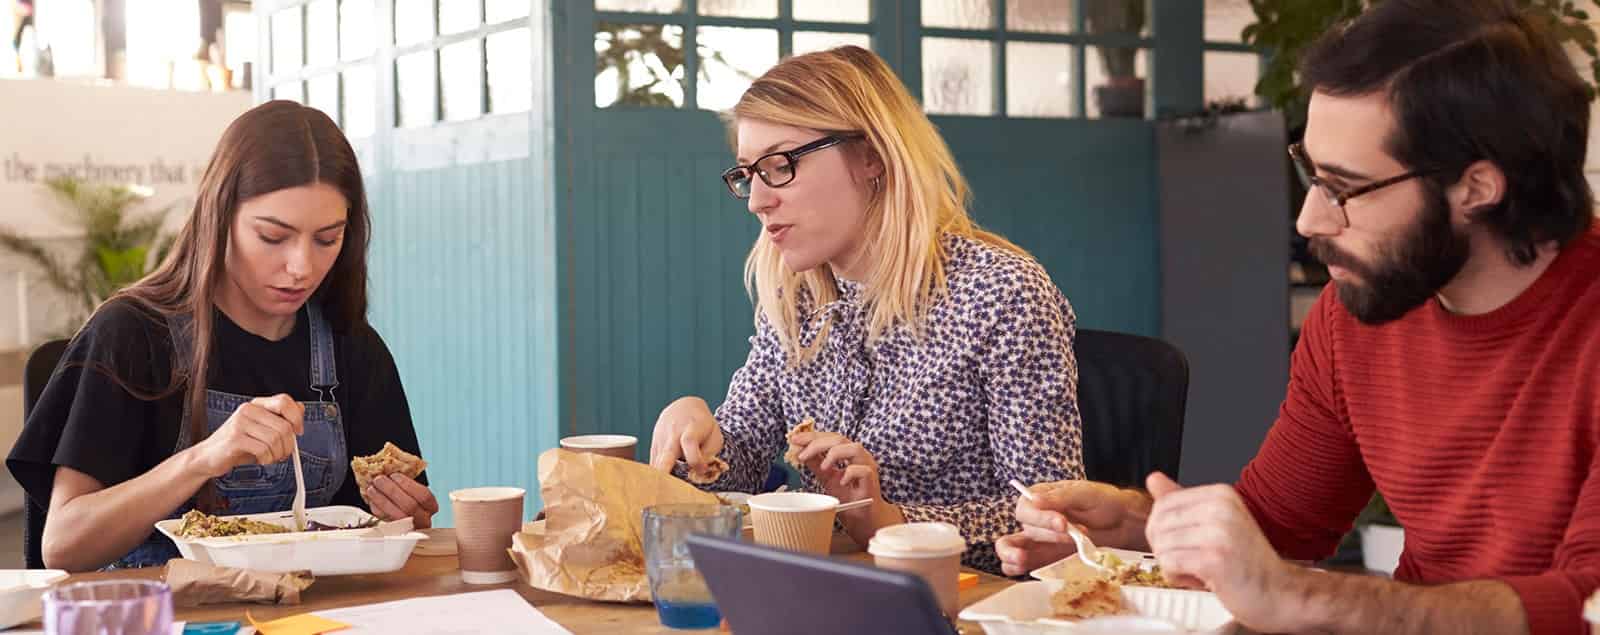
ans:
x=1052 y=571
x=323 y=553
x=21 y=591
x=1024 y=609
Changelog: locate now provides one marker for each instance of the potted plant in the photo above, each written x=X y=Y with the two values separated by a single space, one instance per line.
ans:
x=1284 y=28
x=118 y=246
x=1382 y=538
x=1123 y=93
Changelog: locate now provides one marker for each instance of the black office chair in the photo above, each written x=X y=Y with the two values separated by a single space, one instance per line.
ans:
x=41 y=364
x=1132 y=391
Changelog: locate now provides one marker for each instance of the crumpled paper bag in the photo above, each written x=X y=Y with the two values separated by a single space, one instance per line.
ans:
x=194 y=584
x=591 y=542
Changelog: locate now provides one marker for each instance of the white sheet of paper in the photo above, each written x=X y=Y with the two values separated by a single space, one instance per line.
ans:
x=501 y=611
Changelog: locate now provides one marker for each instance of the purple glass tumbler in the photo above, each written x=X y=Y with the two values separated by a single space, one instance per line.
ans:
x=131 y=607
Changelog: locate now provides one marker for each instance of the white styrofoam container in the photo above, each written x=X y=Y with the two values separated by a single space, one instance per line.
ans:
x=1024 y=609
x=21 y=591
x=323 y=553
x=1052 y=571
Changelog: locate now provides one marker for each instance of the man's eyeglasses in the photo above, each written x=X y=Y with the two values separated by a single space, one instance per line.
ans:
x=778 y=168
x=1339 y=196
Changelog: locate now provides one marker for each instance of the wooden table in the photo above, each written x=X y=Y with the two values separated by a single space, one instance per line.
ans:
x=425 y=576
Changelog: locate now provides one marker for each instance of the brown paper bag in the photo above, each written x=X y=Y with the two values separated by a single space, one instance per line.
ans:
x=194 y=584
x=591 y=543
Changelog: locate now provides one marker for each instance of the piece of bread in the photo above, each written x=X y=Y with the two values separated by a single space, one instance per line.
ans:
x=710 y=473
x=792 y=455
x=389 y=460
x=1083 y=599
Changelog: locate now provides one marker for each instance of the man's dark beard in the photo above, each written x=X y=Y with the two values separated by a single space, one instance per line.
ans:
x=1409 y=270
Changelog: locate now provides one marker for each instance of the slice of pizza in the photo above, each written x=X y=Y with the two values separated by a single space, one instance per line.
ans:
x=389 y=460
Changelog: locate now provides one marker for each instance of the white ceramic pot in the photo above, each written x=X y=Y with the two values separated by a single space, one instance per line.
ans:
x=1381 y=546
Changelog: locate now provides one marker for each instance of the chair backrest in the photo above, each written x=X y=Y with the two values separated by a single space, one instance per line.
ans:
x=41 y=365
x=1132 y=391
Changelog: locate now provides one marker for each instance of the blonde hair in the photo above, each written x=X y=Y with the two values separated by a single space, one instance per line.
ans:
x=922 y=194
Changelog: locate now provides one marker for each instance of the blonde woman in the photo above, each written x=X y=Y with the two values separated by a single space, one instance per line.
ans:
x=934 y=357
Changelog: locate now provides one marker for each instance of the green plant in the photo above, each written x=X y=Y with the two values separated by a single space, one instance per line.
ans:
x=1123 y=17
x=628 y=47
x=1284 y=28
x=118 y=245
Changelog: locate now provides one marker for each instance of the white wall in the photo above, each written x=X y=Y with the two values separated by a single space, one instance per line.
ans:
x=114 y=134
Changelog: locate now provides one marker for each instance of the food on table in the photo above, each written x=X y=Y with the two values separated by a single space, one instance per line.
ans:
x=709 y=473
x=198 y=524
x=389 y=460
x=1132 y=574
x=1084 y=599
x=792 y=457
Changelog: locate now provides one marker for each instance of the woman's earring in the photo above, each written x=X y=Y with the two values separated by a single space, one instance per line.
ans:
x=877 y=183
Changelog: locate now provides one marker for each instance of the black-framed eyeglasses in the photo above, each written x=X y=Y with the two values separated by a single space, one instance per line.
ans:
x=778 y=168
x=1336 y=196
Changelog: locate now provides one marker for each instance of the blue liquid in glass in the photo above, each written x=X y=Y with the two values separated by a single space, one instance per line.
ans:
x=688 y=614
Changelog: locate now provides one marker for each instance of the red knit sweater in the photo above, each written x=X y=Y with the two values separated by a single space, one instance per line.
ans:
x=1480 y=431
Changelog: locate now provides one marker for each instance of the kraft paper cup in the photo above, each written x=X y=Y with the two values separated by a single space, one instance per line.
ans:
x=618 y=445
x=797 y=521
x=486 y=520
x=930 y=550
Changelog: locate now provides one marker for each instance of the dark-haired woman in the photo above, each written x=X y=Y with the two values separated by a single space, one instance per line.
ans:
x=192 y=388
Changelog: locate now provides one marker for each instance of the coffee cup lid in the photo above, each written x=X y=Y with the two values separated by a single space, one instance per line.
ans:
x=917 y=540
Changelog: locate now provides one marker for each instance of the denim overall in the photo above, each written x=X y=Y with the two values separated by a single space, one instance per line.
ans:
x=260 y=489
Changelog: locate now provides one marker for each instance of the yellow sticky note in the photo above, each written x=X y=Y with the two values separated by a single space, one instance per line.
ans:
x=304 y=624
x=967 y=581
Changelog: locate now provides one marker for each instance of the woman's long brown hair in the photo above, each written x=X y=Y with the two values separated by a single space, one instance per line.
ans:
x=274 y=146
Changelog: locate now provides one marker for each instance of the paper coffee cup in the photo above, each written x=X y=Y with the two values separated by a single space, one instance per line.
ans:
x=1591 y=613
x=797 y=521
x=486 y=520
x=618 y=445
x=930 y=550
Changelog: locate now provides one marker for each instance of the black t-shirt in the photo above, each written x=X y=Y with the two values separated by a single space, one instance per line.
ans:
x=88 y=421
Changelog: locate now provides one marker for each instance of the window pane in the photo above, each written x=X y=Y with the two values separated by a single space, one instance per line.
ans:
x=413 y=21
x=958 y=76
x=958 y=14
x=292 y=91
x=461 y=75
x=808 y=41
x=638 y=65
x=1114 y=81
x=1122 y=17
x=852 y=11
x=1225 y=19
x=510 y=71
x=1232 y=76
x=360 y=101
x=286 y=51
x=740 y=8
x=1038 y=80
x=322 y=93
x=502 y=10
x=730 y=59
x=322 y=37
x=415 y=89
x=1040 y=16
x=639 y=6
x=358 y=27
x=456 y=16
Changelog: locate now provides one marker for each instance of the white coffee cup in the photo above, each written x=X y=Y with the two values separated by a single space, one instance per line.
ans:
x=930 y=550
